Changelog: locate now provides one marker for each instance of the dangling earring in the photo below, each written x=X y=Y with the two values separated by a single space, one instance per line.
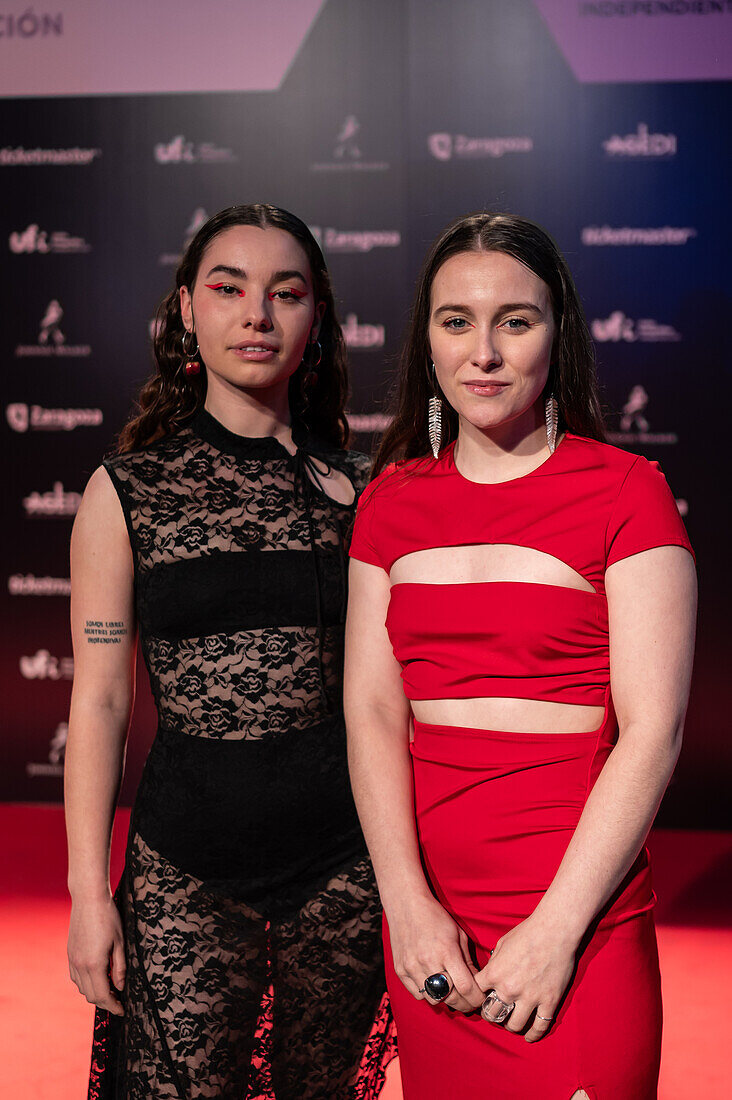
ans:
x=551 y=415
x=190 y=364
x=308 y=382
x=434 y=418
x=311 y=376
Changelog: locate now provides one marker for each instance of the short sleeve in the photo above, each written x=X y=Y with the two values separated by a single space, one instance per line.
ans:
x=645 y=515
x=362 y=541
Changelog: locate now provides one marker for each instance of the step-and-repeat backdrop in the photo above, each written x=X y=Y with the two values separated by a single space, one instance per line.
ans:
x=123 y=127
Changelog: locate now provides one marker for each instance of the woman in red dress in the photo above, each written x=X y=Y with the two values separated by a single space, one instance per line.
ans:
x=519 y=649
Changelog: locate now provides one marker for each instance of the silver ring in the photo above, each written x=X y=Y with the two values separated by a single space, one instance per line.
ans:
x=547 y=1018
x=437 y=987
x=506 y=1010
x=189 y=354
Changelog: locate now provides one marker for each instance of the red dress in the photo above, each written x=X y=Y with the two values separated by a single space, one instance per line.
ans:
x=495 y=811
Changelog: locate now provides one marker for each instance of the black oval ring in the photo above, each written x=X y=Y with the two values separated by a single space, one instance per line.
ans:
x=437 y=986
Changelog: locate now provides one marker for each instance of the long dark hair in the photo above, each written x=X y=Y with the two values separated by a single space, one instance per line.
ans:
x=572 y=374
x=170 y=396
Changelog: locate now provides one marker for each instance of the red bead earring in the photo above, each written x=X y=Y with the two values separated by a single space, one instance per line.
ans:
x=190 y=363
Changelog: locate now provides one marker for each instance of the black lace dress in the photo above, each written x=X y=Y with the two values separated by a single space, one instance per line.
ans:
x=251 y=915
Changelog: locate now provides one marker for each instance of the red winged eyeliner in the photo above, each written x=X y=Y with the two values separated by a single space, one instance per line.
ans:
x=218 y=286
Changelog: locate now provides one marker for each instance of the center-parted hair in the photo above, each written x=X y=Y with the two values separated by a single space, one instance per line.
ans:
x=170 y=396
x=572 y=374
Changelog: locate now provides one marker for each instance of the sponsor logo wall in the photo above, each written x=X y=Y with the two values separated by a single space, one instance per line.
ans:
x=462 y=147
x=181 y=151
x=347 y=154
x=99 y=205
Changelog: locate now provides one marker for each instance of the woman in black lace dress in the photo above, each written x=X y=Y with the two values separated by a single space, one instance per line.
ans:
x=241 y=955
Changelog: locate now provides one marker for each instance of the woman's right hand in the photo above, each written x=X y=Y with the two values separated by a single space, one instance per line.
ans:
x=96 y=948
x=426 y=940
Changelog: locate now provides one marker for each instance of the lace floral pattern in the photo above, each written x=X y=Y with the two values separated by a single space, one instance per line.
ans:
x=245 y=685
x=189 y=505
x=221 y=1002
x=249 y=502
x=238 y=988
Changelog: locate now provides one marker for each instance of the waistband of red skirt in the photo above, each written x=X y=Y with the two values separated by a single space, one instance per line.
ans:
x=445 y=743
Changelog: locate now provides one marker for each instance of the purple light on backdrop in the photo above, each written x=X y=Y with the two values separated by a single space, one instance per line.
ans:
x=614 y=41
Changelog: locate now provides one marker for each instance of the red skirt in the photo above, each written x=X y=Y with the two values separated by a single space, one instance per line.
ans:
x=495 y=813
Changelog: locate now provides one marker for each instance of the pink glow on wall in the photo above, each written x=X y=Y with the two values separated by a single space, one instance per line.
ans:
x=84 y=47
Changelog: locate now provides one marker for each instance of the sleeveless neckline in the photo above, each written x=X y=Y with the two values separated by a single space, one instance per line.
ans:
x=212 y=431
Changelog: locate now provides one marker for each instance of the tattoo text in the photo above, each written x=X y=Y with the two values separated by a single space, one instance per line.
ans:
x=104 y=632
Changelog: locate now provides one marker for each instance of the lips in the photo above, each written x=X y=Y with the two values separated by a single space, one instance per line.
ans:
x=254 y=345
x=486 y=382
x=255 y=351
x=486 y=387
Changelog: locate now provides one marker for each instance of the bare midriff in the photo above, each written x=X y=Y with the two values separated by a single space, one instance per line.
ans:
x=509 y=715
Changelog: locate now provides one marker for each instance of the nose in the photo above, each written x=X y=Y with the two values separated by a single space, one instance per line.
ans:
x=256 y=312
x=485 y=353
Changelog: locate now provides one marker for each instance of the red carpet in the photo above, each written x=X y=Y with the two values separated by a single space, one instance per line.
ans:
x=45 y=1025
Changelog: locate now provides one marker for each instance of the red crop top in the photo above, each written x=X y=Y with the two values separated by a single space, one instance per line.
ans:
x=588 y=505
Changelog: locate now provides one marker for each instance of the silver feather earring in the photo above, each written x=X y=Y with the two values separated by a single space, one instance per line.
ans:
x=551 y=414
x=434 y=418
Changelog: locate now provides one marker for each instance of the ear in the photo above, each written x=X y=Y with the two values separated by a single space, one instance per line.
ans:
x=186 y=308
x=317 y=321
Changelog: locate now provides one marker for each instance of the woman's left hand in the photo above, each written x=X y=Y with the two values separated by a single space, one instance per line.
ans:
x=532 y=966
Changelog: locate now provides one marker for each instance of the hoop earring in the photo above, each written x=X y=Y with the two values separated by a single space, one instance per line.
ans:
x=551 y=416
x=190 y=364
x=434 y=418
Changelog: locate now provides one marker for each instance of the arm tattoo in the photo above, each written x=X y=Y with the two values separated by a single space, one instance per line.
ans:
x=104 y=632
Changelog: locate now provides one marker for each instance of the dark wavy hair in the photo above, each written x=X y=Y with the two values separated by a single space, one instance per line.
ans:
x=572 y=374
x=170 y=396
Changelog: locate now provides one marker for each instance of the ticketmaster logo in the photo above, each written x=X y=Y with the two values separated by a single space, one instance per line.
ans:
x=607 y=235
x=446 y=146
x=368 y=422
x=10 y=157
x=29 y=585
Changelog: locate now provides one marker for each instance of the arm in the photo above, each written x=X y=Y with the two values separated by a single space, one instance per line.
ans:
x=652 y=611
x=101 y=705
x=424 y=938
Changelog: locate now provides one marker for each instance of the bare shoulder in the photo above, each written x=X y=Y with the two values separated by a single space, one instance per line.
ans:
x=100 y=520
x=102 y=587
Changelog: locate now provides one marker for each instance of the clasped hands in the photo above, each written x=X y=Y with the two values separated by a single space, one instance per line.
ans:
x=519 y=988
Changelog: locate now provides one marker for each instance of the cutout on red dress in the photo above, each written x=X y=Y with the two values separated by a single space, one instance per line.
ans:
x=488 y=562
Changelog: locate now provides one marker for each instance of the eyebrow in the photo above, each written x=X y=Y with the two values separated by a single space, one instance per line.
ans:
x=501 y=309
x=240 y=273
x=282 y=276
x=237 y=272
